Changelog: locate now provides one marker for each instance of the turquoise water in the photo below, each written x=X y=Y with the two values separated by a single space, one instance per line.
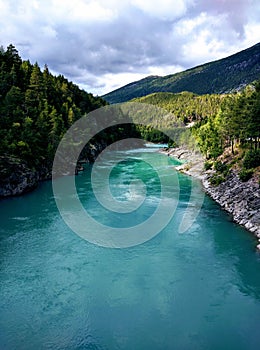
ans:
x=194 y=290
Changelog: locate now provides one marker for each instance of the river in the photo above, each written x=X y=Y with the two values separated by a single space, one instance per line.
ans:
x=199 y=289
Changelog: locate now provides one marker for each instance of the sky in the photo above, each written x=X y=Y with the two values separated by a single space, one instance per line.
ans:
x=102 y=45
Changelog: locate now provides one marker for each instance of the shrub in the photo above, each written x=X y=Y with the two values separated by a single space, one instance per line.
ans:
x=252 y=159
x=208 y=165
x=216 y=179
x=220 y=167
x=245 y=174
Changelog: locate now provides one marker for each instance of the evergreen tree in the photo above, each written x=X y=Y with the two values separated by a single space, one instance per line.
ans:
x=36 y=108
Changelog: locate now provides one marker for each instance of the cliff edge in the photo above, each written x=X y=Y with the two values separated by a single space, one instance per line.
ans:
x=240 y=199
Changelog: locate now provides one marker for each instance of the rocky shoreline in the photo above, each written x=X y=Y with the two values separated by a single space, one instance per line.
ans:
x=240 y=199
x=18 y=178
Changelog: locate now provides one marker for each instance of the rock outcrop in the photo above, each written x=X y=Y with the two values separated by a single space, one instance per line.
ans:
x=240 y=199
x=16 y=177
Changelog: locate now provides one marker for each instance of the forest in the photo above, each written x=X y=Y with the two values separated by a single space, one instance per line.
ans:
x=221 y=125
x=36 y=109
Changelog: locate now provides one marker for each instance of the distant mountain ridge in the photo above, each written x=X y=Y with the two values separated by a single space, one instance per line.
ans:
x=222 y=76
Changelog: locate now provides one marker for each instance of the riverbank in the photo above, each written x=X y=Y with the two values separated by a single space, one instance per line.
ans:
x=240 y=199
x=18 y=178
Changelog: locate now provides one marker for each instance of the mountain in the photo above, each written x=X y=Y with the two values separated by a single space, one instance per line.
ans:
x=221 y=76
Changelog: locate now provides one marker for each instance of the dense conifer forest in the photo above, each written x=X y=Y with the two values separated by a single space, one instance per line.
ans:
x=36 y=108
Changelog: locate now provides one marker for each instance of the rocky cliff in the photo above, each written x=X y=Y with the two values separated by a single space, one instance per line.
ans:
x=16 y=177
x=240 y=199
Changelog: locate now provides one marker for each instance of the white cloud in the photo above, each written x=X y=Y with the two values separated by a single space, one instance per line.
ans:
x=48 y=31
x=207 y=37
x=252 y=34
x=78 y=11
x=115 y=80
x=165 y=9
x=111 y=81
x=165 y=70
x=186 y=27
x=104 y=44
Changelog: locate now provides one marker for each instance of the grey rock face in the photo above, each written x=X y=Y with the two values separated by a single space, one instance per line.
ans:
x=16 y=177
x=241 y=199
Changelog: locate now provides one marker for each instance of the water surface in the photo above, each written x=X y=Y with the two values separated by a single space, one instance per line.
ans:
x=196 y=290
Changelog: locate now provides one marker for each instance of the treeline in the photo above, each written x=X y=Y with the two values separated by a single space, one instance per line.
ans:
x=236 y=124
x=185 y=106
x=185 y=109
x=36 y=108
x=213 y=122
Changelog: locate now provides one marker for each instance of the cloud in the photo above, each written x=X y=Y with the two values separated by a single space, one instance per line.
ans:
x=104 y=44
x=165 y=10
x=235 y=11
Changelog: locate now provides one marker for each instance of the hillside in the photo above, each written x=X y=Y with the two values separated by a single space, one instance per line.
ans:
x=221 y=76
x=185 y=106
x=36 y=109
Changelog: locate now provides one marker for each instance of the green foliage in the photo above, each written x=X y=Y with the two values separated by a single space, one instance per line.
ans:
x=216 y=179
x=180 y=111
x=172 y=143
x=252 y=159
x=220 y=166
x=245 y=174
x=208 y=138
x=151 y=134
x=185 y=106
x=208 y=165
x=222 y=171
x=36 y=108
x=213 y=122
